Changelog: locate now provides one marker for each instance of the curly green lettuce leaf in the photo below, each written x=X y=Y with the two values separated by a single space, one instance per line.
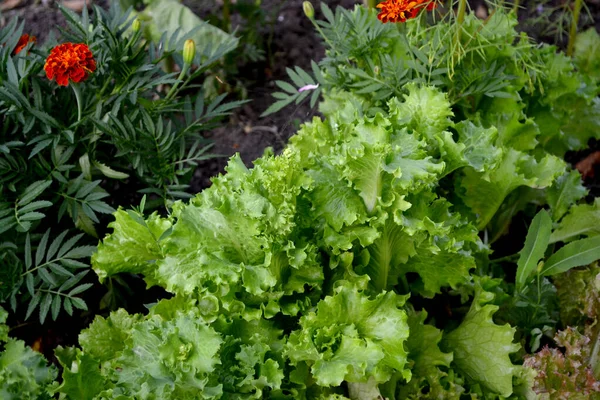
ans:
x=81 y=377
x=582 y=220
x=566 y=191
x=587 y=53
x=481 y=348
x=426 y=358
x=484 y=195
x=570 y=128
x=105 y=338
x=236 y=242
x=475 y=147
x=568 y=374
x=172 y=358
x=425 y=110
x=251 y=359
x=515 y=130
x=352 y=338
x=24 y=373
x=134 y=246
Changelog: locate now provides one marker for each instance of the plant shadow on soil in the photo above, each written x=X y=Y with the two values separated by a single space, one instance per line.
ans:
x=292 y=42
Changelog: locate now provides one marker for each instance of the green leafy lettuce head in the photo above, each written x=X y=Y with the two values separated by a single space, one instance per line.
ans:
x=352 y=338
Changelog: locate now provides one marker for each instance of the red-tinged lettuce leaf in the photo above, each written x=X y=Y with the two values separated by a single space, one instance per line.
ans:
x=352 y=338
x=568 y=374
x=481 y=348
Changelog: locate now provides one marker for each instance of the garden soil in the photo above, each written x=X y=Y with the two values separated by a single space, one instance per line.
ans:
x=292 y=42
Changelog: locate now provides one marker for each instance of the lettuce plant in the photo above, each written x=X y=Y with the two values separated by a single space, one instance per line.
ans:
x=298 y=270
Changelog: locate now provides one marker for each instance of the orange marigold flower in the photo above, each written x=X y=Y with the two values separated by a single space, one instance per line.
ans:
x=402 y=10
x=23 y=41
x=72 y=61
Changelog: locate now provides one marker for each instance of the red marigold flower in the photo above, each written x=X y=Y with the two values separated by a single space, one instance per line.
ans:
x=402 y=10
x=23 y=41
x=72 y=61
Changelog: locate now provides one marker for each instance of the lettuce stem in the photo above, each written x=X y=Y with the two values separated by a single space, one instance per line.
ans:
x=573 y=29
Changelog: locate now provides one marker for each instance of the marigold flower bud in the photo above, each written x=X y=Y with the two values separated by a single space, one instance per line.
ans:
x=309 y=10
x=135 y=27
x=189 y=51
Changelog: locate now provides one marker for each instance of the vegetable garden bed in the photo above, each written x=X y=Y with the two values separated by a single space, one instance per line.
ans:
x=425 y=235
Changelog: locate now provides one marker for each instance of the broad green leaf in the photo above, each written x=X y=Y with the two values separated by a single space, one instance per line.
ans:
x=574 y=254
x=424 y=352
x=481 y=348
x=475 y=148
x=535 y=246
x=168 y=16
x=587 y=50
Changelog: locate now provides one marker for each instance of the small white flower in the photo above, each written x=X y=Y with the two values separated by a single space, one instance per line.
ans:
x=308 y=87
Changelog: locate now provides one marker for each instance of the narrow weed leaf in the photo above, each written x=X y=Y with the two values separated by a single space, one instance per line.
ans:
x=536 y=243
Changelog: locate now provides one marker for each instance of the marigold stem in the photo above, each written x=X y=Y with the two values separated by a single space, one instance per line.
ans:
x=462 y=8
x=573 y=29
x=78 y=99
x=173 y=90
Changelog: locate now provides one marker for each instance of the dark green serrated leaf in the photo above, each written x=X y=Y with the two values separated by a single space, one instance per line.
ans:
x=33 y=191
x=41 y=250
x=45 y=307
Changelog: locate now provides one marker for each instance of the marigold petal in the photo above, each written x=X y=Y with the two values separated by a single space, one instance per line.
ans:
x=70 y=61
